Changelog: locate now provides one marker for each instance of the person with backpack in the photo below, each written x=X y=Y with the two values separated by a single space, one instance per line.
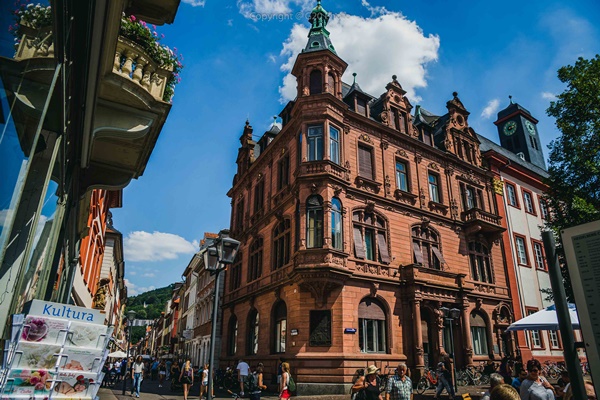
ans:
x=187 y=378
x=254 y=383
x=287 y=385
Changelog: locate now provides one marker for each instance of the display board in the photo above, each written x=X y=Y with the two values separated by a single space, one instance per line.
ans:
x=582 y=250
x=56 y=351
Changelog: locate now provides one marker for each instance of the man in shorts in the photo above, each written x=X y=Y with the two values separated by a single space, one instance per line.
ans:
x=243 y=369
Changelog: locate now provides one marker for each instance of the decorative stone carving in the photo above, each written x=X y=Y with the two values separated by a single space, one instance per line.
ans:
x=337 y=190
x=100 y=296
x=374 y=288
x=498 y=186
x=418 y=159
x=346 y=129
x=384 y=145
x=434 y=166
x=422 y=197
x=470 y=177
x=387 y=185
x=365 y=138
x=453 y=209
x=401 y=153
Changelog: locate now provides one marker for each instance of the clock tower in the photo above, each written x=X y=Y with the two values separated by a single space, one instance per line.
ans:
x=518 y=133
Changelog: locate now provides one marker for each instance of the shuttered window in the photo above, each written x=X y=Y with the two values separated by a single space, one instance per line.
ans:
x=383 y=250
x=426 y=247
x=365 y=162
x=370 y=233
x=359 y=248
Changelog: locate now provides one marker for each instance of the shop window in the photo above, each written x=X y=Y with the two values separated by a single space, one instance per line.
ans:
x=426 y=248
x=481 y=265
x=336 y=224
x=320 y=328
x=372 y=335
x=479 y=335
x=252 y=342
x=315 y=143
x=314 y=222
x=370 y=237
x=281 y=244
x=279 y=327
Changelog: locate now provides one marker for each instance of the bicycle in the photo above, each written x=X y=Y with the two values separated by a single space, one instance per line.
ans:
x=427 y=381
x=235 y=396
x=226 y=379
x=468 y=375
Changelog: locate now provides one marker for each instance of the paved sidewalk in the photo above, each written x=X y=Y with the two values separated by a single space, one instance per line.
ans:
x=151 y=391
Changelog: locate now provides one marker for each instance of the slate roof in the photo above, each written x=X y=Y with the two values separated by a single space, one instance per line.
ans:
x=488 y=145
x=512 y=107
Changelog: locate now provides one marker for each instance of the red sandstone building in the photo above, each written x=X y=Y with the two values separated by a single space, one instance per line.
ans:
x=359 y=223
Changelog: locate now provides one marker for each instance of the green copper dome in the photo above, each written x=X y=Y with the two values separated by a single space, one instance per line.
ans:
x=318 y=37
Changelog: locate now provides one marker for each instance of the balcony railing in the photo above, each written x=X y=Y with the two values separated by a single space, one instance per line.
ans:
x=479 y=220
x=131 y=61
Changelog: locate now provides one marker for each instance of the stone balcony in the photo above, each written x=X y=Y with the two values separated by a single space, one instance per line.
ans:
x=479 y=221
x=130 y=62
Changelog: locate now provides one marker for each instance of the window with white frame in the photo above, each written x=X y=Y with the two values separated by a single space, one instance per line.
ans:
x=554 y=342
x=334 y=144
x=511 y=195
x=401 y=175
x=543 y=209
x=372 y=335
x=536 y=338
x=528 y=201
x=521 y=250
x=539 y=256
x=434 y=188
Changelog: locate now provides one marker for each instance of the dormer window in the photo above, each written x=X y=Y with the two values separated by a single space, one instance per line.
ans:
x=398 y=120
x=361 y=106
x=316 y=81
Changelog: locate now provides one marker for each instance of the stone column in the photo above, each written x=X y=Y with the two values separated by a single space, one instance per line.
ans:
x=466 y=332
x=418 y=331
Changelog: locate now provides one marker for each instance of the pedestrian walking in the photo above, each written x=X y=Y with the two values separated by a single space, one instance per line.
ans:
x=175 y=372
x=536 y=387
x=186 y=377
x=243 y=369
x=204 y=383
x=169 y=365
x=367 y=386
x=284 y=390
x=255 y=383
x=162 y=372
x=517 y=381
x=137 y=375
x=444 y=375
x=504 y=392
x=495 y=380
x=154 y=370
x=399 y=386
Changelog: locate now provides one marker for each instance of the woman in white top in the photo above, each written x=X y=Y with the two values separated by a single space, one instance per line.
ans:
x=284 y=392
x=204 y=386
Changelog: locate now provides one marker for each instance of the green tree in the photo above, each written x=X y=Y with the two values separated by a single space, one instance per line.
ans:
x=574 y=168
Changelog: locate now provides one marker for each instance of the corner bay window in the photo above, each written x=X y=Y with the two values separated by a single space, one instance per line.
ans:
x=314 y=222
x=372 y=335
x=315 y=143
x=334 y=144
x=426 y=248
x=479 y=335
x=370 y=237
x=336 y=224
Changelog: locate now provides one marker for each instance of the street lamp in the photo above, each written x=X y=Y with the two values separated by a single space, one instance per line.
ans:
x=221 y=253
x=450 y=314
x=130 y=318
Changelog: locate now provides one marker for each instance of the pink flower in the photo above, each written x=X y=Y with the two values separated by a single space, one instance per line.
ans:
x=34 y=380
x=133 y=18
x=39 y=386
x=153 y=26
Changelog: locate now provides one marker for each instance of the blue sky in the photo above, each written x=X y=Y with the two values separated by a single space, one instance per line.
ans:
x=237 y=55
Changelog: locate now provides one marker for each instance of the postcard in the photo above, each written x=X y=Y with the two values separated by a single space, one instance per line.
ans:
x=81 y=359
x=44 y=330
x=86 y=335
x=33 y=355
x=29 y=382
x=74 y=385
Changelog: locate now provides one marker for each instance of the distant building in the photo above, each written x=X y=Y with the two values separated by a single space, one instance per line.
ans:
x=359 y=224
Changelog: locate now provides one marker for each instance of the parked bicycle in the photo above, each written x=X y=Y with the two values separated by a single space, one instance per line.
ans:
x=225 y=379
x=427 y=381
x=551 y=370
x=468 y=376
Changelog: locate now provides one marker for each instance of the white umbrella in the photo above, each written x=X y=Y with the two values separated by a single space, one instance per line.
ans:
x=544 y=320
x=117 y=354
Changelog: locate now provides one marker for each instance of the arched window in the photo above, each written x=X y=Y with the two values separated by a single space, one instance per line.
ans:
x=480 y=260
x=336 y=224
x=372 y=335
x=370 y=237
x=330 y=83
x=316 y=81
x=252 y=342
x=281 y=244
x=426 y=247
x=256 y=257
x=279 y=327
x=232 y=338
x=479 y=334
x=314 y=222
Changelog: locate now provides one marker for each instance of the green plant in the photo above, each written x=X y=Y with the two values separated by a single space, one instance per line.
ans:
x=139 y=32
x=37 y=16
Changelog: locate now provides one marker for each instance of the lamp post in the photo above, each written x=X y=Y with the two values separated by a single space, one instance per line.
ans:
x=450 y=314
x=130 y=318
x=217 y=256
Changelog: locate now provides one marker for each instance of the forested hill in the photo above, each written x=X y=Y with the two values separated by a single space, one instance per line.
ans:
x=154 y=300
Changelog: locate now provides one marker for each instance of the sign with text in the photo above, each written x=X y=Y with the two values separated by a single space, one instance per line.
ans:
x=64 y=311
x=582 y=249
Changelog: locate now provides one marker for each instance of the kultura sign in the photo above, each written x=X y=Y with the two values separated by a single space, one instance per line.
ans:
x=64 y=311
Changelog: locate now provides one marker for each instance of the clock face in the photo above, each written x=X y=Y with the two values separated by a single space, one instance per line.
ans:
x=530 y=127
x=510 y=127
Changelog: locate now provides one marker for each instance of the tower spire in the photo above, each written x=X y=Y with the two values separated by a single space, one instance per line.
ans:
x=318 y=36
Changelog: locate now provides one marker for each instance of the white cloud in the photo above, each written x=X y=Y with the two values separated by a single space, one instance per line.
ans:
x=490 y=109
x=268 y=9
x=195 y=3
x=134 y=290
x=548 y=96
x=149 y=275
x=132 y=273
x=156 y=246
x=229 y=22
x=406 y=53
x=272 y=58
